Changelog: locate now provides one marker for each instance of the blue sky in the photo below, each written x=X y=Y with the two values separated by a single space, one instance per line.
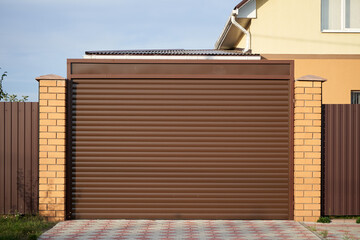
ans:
x=37 y=36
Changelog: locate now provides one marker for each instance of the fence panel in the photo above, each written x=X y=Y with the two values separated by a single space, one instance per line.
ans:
x=19 y=157
x=341 y=158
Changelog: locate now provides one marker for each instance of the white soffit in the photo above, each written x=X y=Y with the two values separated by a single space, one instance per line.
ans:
x=248 y=10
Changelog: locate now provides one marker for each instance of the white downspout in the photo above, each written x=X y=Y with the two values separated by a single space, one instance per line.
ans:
x=236 y=24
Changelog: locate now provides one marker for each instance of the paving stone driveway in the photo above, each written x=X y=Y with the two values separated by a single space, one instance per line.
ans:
x=172 y=229
x=337 y=231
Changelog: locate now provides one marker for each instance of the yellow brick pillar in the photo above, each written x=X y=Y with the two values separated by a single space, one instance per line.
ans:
x=307 y=152
x=52 y=97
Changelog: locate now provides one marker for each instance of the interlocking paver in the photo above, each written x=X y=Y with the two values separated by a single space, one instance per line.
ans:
x=338 y=231
x=178 y=229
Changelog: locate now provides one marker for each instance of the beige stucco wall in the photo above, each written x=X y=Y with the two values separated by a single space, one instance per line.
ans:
x=294 y=27
x=343 y=75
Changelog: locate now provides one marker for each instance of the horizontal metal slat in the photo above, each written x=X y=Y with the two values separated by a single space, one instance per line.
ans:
x=255 y=97
x=138 y=126
x=179 y=139
x=183 y=190
x=121 y=98
x=119 y=110
x=181 y=89
x=167 y=205
x=120 y=166
x=106 y=142
x=187 y=184
x=240 y=116
x=249 y=126
x=182 y=103
x=189 y=81
x=269 y=165
x=180 y=174
x=165 y=149
x=181 y=134
x=193 y=169
x=178 y=154
x=194 y=216
x=178 y=179
x=190 y=200
x=233 y=195
x=184 y=210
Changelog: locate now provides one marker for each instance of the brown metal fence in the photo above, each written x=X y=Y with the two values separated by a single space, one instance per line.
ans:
x=19 y=125
x=341 y=156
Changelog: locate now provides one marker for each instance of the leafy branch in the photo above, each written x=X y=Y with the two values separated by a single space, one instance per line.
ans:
x=4 y=96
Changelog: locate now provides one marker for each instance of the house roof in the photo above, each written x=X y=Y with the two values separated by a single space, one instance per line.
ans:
x=173 y=52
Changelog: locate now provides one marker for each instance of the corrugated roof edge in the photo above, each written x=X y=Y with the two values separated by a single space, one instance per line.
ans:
x=173 y=52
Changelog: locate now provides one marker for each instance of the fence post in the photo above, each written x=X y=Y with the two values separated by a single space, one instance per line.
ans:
x=52 y=91
x=307 y=152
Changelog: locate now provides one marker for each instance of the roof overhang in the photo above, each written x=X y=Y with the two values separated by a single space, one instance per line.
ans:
x=231 y=35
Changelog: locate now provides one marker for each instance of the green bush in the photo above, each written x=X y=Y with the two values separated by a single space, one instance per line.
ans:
x=18 y=227
x=324 y=220
x=358 y=220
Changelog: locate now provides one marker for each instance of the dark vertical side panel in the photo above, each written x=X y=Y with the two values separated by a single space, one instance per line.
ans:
x=28 y=159
x=69 y=93
x=322 y=161
x=326 y=167
x=357 y=163
x=357 y=155
x=21 y=160
x=35 y=156
x=14 y=157
x=341 y=159
x=2 y=157
x=7 y=157
x=69 y=148
x=291 y=140
x=341 y=133
x=350 y=153
x=18 y=157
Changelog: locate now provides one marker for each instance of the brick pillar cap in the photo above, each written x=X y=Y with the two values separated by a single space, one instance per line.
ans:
x=311 y=78
x=50 y=77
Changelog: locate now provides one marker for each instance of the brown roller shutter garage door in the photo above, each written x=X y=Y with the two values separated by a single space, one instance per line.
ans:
x=180 y=139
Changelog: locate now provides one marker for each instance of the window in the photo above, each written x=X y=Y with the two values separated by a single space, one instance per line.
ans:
x=340 y=15
x=355 y=97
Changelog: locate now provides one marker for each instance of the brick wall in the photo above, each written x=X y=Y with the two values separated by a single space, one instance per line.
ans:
x=307 y=152
x=52 y=95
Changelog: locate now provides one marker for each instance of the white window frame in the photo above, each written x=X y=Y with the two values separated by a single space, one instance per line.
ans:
x=343 y=21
